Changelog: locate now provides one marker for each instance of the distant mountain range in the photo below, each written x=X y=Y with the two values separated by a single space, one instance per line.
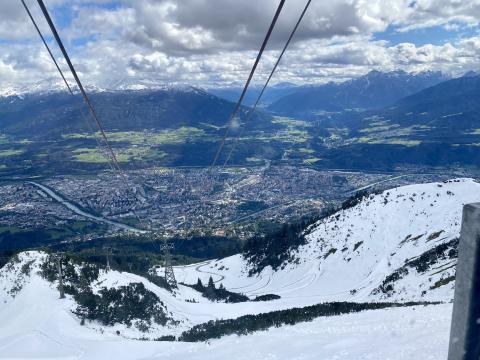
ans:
x=53 y=113
x=444 y=112
x=372 y=91
x=438 y=125
x=56 y=84
x=46 y=132
x=271 y=95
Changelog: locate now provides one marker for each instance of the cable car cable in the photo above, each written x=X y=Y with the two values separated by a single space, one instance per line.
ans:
x=245 y=88
x=77 y=80
x=252 y=110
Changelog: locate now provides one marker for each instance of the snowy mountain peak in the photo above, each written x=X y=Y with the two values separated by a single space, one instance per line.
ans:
x=57 y=85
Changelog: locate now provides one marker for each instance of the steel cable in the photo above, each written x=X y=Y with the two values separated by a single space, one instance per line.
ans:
x=252 y=110
x=84 y=117
x=245 y=88
x=77 y=80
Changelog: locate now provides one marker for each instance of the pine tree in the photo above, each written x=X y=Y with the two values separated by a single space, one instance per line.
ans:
x=211 y=283
x=199 y=284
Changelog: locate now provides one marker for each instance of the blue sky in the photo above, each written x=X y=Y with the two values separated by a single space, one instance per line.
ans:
x=436 y=35
x=213 y=42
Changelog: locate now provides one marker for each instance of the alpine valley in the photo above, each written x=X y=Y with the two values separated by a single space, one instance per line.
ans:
x=335 y=222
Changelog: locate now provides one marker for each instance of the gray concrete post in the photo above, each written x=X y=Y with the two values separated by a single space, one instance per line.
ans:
x=465 y=328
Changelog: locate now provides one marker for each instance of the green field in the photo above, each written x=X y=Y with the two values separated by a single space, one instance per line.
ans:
x=164 y=137
x=92 y=155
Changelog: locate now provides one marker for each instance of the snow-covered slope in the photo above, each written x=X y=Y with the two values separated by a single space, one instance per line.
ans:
x=29 y=301
x=398 y=246
x=36 y=324
x=393 y=334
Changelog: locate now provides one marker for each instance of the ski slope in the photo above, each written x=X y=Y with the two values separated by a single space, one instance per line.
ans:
x=36 y=324
x=20 y=310
x=349 y=254
x=393 y=334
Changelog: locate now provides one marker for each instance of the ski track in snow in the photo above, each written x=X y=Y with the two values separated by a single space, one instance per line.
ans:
x=199 y=267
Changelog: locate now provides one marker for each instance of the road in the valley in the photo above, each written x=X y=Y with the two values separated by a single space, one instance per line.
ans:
x=83 y=213
x=377 y=183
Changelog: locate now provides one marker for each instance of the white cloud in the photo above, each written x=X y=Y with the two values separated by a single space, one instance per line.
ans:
x=428 y=13
x=215 y=41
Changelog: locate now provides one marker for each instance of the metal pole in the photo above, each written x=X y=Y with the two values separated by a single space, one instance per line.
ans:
x=108 y=253
x=60 y=276
x=465 y=328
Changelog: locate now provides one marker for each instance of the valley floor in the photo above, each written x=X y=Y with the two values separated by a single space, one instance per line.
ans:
x=394 y=334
